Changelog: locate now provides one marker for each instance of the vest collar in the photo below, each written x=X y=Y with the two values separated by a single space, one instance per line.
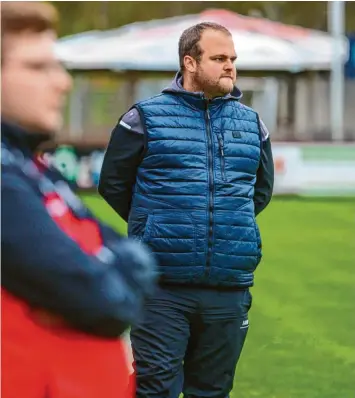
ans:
x=198 y=99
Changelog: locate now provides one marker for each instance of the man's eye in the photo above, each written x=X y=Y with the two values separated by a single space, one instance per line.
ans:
x=44 y=66
x=37 y=66
x=219 y=59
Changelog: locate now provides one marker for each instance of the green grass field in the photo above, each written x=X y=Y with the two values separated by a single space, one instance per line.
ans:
x=301 y=342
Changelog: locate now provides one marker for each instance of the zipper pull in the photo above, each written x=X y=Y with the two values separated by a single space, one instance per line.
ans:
x=207 y=102
x=221 y=144
x=221 y=148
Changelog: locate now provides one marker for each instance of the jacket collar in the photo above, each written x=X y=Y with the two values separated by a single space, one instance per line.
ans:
x=22 y=138
x=176 y=87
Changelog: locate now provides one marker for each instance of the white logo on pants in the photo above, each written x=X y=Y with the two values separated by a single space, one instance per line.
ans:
x=245 y=324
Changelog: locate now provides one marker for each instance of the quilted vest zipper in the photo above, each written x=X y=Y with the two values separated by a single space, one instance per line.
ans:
x=221 y=150
x=211 y=188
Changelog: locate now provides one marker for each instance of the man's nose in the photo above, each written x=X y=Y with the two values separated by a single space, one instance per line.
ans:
x=228 y=65
x=64 y=81
x=67 y=81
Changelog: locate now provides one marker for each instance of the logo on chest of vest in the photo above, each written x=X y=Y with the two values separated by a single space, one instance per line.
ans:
x=236 y=134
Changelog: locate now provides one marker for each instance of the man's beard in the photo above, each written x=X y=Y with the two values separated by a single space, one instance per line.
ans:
x=211 y=88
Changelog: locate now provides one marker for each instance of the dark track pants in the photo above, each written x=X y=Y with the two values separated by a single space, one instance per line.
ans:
x=190 y=341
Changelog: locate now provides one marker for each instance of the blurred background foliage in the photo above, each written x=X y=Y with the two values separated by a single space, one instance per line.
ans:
x=79 y=16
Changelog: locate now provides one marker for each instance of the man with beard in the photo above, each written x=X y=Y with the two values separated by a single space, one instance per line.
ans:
x=189 y=170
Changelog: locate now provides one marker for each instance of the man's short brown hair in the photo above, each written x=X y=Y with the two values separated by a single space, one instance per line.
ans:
x=189 y=40
x=26 y=16
x=33 y=16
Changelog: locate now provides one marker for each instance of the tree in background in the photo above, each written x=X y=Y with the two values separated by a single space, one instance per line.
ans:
x=77 y=16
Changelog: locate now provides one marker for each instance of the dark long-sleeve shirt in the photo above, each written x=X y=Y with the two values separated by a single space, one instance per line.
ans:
x=124 y=154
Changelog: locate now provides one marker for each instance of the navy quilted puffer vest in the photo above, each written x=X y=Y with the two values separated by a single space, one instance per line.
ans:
x=193 y=198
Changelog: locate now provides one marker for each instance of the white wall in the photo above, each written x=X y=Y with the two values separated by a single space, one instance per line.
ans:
x=313 y=107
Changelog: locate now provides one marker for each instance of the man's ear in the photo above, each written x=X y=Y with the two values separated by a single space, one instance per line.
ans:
x=190 y=64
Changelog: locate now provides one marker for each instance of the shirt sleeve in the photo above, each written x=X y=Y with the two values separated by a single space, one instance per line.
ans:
x=265 y=174
x=121 y=161
x=264 y=131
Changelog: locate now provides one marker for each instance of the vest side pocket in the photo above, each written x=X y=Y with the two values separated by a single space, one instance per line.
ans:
x=137 y=224
x=171 y=235
x=258 y=241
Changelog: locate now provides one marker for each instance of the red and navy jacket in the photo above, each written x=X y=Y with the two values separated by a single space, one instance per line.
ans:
x=56 y=255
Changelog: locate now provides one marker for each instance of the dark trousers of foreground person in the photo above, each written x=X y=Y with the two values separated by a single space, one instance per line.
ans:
x=190 y=341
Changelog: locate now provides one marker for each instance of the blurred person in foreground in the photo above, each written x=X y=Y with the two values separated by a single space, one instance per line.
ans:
x=189 y=170
x=70 y=285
